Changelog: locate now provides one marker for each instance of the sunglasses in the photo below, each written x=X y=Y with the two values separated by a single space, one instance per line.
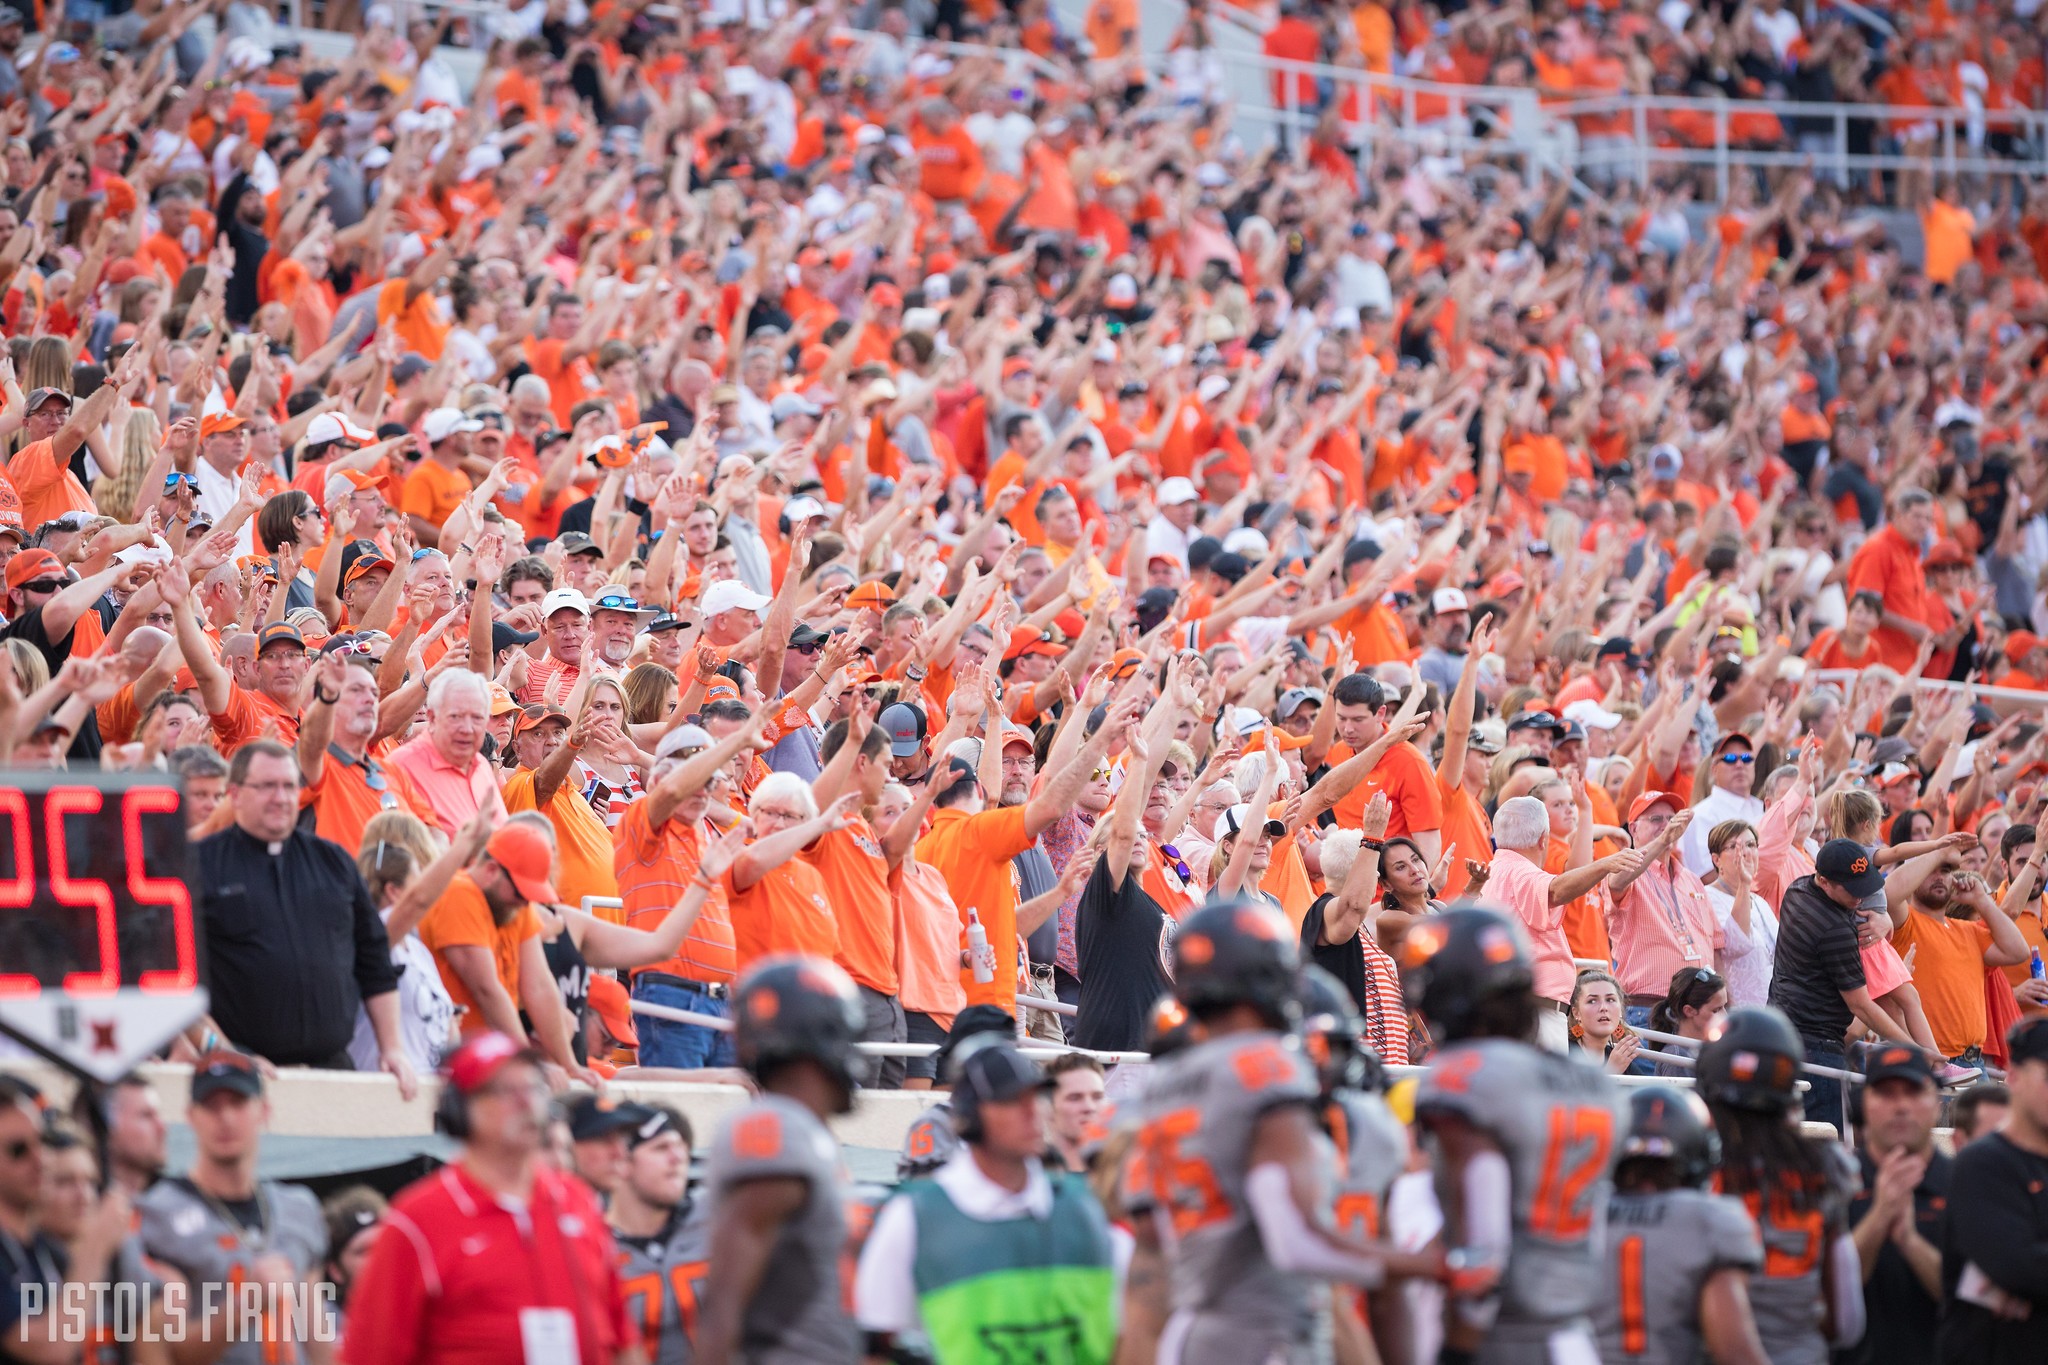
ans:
x=1738 y=758
x=1180 y=865
x=815 y=647
x=41 y=585
x=172 y=482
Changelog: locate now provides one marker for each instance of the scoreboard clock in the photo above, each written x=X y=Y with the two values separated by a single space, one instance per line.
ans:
x=99 y=948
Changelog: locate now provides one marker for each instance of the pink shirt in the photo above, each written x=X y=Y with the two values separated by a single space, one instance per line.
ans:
x=1663 y=924
x=452 y=796
x=1781 y=859
x=1523 y=887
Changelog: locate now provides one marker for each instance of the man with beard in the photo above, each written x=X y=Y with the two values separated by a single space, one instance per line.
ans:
x=615 y=619
x=343 y=782
x=1446 y=632
x=1946 y=923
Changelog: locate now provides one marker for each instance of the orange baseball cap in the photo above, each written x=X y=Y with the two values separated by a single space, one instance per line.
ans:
x=871 y=594
x=219 y=422
x=1649 y=799
x=523 y=852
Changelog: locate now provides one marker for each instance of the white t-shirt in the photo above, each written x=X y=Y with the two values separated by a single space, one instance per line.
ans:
x=426 y=1014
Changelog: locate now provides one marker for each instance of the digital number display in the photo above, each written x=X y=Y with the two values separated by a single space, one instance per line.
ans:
x=94 y=892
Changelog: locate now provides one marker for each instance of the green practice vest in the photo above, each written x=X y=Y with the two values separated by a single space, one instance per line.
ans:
x=1020 y=1291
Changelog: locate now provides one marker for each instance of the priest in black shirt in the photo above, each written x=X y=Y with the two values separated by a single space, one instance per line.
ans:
x=293 y=944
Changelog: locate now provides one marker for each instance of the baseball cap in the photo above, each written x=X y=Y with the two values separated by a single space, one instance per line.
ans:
x=14 y=528
x=996 y=1075
x=904 y=724
x=596 y=1116
x=1618 y=647
x=1229 y=566
x=608 y=998
x=482 y=1057
x=2021 y=643
x=1665 y=461
x=1152 y=606
x=1505 y=582
x=802 y=508
x=2028 y=1040
x=1648 y=799
x=532 y=716
x=501 y=701
x=723 y=393
x=1898 y=1062
x=438 y=425
x=660 y=1118
x=224 y=1071
x=1892 y=773
x=1890 y=749
x=667 y=621
x=1029 y=640
x=1535 y=720
x=279 y=633
x=1124 y=663
x=219 y=423
x=1176 y=490
x=681 y=738
x=563 y=599
x=730 y=594
x=1448 y=600
x=368 y=559
x=1292 y=700
x=872 y=595
x=343 y=482
x=38 y=397
x=1013 y=733
x=30 y=565
x=1848 y=865
x=578 y=543
x=504 y=637
x=806 y=635
x=1488 y=737
x=411 y=365
x=788 y=405
x=1592 y=715
x=332 y=426
x=1239 y=816
x=523 y=852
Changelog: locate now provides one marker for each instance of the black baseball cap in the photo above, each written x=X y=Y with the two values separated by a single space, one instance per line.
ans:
x=1230 y=566
x=596 y=1116
x=2028 y=1040
x=1536 y=720
x=1849 y=865
x=504 y=637
x=1619 y=648
x=658 y=1119
x=1898 y=1062
x=997 y=1074
x=806 y=634
x=225 y=1071
x=667 y=621
x=1152 y=606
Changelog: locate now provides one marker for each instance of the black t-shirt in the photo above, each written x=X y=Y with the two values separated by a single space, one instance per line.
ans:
x=1902 y=1316
x=29 y=626
x=1997 y=1221
x=1341 y=960
x=38 y=1261
x=1122 y=942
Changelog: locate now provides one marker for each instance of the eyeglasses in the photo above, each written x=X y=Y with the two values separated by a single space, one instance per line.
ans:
x=793 y=816
x=1738 y=758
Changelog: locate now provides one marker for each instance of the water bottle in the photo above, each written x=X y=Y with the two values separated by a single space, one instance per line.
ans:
x=978 y=952
x=2034 y=963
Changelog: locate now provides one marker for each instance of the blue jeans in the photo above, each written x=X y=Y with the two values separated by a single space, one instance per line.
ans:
x=683 y=1047
x=1823 y=1098
x=1636 y=1016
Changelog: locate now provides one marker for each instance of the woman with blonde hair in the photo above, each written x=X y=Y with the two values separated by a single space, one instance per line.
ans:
x=116 y=494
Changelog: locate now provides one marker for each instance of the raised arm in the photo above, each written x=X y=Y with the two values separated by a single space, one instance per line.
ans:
x=765 y=855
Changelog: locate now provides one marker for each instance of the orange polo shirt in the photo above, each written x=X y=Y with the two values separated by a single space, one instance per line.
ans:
x=462 y=918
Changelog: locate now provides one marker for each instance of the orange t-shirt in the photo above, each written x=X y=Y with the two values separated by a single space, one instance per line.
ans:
x=855 y=872
x=1948 y=970
x=785 y=912
x=973 y=852
x=418 y=323
x=1585 y=919
x=248 y=712
x=1465 y=830
x=583 y=844
x=433 y=492
x=569 y=383
x=929 y=938
x=47 y=487
x=462 y=918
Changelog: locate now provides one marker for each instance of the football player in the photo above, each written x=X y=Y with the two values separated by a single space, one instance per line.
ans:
x=1809 y=1296
x=1525 y=1143
x=1235 y=1163
x=777 y=1206
x=660 y=1233
x=1680 y=1257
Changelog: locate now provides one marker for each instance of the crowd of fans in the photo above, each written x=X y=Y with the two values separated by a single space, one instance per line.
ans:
x=725 y=484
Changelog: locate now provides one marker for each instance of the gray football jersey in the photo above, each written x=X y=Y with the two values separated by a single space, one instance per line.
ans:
x=183 y=1230
x=1199 y=1113
x=798 y=1314
x=1557 y=1120
x=929 y=1143
x=1372 y=1149
x=661 y=1278
x=1660 y=1250
x=1787 y=1295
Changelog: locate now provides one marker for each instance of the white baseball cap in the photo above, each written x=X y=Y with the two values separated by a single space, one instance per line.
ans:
x=332 y=426
x=1448 y=599
x=1592 y=715
x=438 y=425
x=1212 y=387
x=562 y=599
x=802 y=507
x=729 y=594
x=1177 y=490
x=1248 y=541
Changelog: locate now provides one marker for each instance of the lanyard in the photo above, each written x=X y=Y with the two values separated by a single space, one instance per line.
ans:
x=1680 y=930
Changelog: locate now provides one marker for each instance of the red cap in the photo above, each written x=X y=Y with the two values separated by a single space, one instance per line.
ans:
x=481 y=1058
x=1070 y=623
x=1806 y=383
x=1015 y=366
x=2018 y=645
x=609 y=999
x=1504 y=582
x=30 y=565
x=1947 y=554
x=523 y=852
x=1649 y=799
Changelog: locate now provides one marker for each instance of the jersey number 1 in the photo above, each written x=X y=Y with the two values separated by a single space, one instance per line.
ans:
x=1581 y=1136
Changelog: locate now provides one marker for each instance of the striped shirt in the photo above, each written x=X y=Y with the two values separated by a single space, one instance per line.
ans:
x=655 y=868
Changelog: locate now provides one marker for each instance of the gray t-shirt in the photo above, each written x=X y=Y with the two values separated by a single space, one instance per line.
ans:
x=798 y=1314
x=1661 y=1249
x=1557 y=1119
x=214 y=1242
x=1201 y=1109
x=1442 y=668
x=662 y=1278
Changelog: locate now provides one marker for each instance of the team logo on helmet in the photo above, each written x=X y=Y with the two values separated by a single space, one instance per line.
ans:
x=1743 y=1066
x=1424 y=942
x=1197 y=950
x=1260 y=923
x=1496 y=944
x=764 y=1004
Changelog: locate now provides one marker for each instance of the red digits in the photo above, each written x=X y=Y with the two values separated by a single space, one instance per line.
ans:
x=18 y=892
x=87 y=893
x=148 y=890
